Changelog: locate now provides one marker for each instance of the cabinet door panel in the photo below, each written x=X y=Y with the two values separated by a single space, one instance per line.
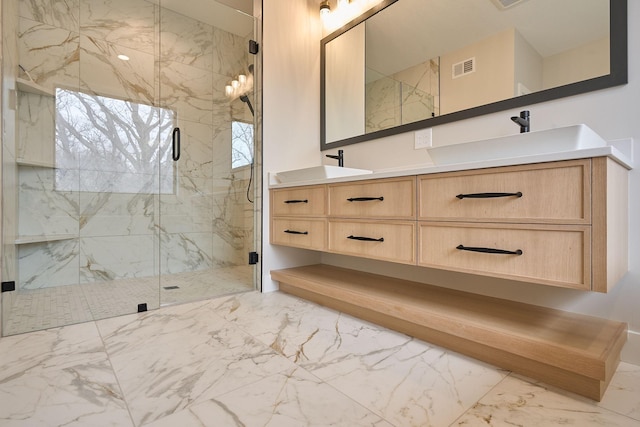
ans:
x=304 y=233
x=554 y=255
x=383 y=198
x=299 y=201
x=388 y=241
x=549 y=193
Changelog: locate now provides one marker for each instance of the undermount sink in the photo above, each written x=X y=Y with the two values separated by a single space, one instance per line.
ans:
x=317 y=172
x=570 y=138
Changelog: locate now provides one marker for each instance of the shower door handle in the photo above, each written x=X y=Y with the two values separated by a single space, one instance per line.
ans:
x=175 y=144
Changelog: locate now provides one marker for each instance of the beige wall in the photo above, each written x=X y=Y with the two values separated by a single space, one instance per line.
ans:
x=492 y=81
x=578 y=64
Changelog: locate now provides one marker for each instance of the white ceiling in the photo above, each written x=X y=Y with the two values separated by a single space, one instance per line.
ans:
x=429 y=28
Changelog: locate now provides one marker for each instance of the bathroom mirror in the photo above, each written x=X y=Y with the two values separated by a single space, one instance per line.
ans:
x=411 y=64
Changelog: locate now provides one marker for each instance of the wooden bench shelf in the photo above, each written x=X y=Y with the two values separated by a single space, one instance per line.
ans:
x=571 y=351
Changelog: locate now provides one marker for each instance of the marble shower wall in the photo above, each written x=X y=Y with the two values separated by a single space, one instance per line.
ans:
x=404 y=97
x=120 y=223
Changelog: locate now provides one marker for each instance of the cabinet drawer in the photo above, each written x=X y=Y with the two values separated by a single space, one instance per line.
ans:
x=303 y=233
x=544 y=193
x=554 y=255
x=383 y=198
x=387 y=241
x=299 y=201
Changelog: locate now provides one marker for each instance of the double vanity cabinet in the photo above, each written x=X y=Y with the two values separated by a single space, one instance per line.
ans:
x=557 y=223
x=560 y=223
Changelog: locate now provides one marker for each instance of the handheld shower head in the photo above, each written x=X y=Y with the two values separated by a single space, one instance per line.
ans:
x=244 y=98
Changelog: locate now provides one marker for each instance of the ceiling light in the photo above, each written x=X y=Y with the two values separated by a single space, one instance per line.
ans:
x=123 y=57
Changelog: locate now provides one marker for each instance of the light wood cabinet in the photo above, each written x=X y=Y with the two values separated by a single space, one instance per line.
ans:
x=298 y=217
x=383 y=240
x=378 y=199
x=548 y=254
x=568 y=219
x=545 y=193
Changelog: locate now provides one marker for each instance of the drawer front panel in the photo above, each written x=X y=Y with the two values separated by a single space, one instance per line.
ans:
x=388 y=241
x=304 y=233
x=299 y=201
x=532 y=193
x=382 y=198
x=550 y=254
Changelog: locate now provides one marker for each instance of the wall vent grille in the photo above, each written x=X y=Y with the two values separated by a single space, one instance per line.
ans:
x=463 y=68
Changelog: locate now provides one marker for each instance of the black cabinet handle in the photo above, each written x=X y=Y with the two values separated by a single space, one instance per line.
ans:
x=488 y=195
x=366 y=239
x=175 y=144
x=364 y=199
x=296 y=201
x=296 y=232
x=489 y=250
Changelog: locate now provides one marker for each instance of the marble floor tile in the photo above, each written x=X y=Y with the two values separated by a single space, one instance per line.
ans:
x=59 y=377
x=518 y=401
x=175 y=357
x=623 y=394
x=405 y=381
x=272 y=359
x=293 y=398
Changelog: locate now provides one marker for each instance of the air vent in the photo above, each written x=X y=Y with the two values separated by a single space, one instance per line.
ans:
x=463 y=68
x=504 y=4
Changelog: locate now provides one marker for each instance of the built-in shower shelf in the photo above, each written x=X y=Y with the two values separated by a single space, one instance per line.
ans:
x=31 y=87
x=25 y=240
x=36 y=163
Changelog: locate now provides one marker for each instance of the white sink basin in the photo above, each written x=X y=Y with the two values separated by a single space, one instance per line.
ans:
x=557 y=140
x=317 y=172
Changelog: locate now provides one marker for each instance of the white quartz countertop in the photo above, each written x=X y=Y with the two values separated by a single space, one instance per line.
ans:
x=608 y=151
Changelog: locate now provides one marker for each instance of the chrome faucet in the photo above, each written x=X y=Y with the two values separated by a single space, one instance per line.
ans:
x=340 y=157
x=523 y=121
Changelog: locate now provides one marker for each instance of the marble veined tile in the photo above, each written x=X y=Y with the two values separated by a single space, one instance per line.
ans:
x=50 y=54
x=516 y=401
x=289 y=399
x=104 y=214
x=128 y=23
x=230 y=53
x=185 y=40
x=188 y=91
x=59 y=377
x=62 y=14
x=181 y=355
x=104 y=74
x=623 y=391
x=283 y=322
x=107 y=258
x=405 y=380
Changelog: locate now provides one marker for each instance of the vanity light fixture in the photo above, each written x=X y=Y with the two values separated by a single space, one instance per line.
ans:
x=325 y=9
x=242 y=84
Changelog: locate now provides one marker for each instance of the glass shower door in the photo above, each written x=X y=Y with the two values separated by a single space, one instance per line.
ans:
x=206 y=224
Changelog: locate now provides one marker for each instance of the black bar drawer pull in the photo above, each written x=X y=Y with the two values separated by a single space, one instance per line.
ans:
x=364 y=199
x=296 y=232
x=489 y=250
x=488 y=195
x=366 y=239
x=297 y=201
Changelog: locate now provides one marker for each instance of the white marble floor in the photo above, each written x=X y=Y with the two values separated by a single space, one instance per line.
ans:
x=256 y=359
x=37 y=309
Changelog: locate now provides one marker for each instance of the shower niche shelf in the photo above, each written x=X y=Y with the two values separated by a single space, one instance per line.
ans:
x=31 y=87
x=35 y=163
x=43 y=238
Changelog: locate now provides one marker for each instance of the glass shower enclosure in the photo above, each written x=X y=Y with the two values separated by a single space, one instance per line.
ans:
x=128 y=157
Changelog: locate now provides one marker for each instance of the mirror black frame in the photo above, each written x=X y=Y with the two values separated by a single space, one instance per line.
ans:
x=618 y=75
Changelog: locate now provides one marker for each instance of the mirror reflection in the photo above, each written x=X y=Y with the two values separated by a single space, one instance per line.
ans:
x=422 y=59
